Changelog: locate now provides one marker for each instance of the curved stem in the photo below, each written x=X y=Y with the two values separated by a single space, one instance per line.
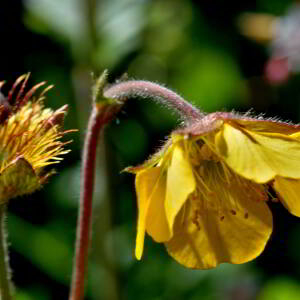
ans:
x=147 y=89
x=104 y=111
x=5 y=273
x=98 y=118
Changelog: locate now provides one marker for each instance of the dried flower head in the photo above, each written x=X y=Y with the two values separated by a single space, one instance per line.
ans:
x=30 y=139
x=205 y=193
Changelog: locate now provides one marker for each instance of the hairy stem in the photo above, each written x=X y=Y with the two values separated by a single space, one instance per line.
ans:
x=147 y=89
x=98 y=118
x=5 y=273
x=85 y=208
x=104 y=110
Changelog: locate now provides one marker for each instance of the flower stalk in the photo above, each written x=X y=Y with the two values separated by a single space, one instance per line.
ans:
x=156 y=92
x=107 y=101
x=103 y=111
x=5 y=272
x=85 y=207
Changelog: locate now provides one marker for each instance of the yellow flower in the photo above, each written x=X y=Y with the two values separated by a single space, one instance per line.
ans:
x=29 y=140
x=205 y=193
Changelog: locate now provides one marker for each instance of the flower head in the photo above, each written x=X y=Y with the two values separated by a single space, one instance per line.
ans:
x=29 y=140
x=205 y=193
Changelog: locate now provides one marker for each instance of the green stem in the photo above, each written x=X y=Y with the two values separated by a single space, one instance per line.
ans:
x=5 y=273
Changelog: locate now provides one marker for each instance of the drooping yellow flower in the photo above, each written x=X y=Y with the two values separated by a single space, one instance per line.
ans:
x=205 y=193
x=29 y=140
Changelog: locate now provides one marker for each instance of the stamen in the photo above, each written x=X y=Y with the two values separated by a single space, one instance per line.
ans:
x=275 y=200
x=195 y=219
x=17 y=82
x=233 y=212
x=218 y=187
x=197 y=224
x=272 y=197
x=21 y=91
x=199 y=178
x=183 y=214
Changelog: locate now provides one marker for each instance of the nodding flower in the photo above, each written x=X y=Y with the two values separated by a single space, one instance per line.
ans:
x=205 y=193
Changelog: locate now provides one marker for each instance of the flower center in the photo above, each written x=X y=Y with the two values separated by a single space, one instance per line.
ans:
x=218 y=188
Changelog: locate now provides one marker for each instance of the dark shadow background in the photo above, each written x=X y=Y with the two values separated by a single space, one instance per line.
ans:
x=191 y=46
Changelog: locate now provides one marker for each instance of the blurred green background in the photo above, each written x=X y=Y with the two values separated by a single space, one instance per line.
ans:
x=193 y=47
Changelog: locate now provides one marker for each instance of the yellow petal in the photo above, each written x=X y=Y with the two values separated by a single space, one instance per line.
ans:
x=267 y=126
x=180 y=183
x=150 y=188
x=156 y=223
x=296 y=135
x=234 y=232
x=259 y=156
x=289 y=191
x=154 y=160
